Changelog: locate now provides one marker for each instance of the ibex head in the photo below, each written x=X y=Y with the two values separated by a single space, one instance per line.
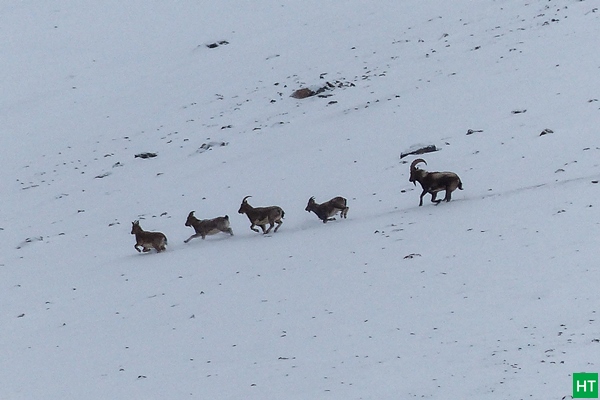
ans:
x=414 y=175
x=190 y=218
x=311 y=203
x=135 y=227
x=244 y=205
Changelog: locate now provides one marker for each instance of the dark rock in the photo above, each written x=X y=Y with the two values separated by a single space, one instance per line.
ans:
x=303 y=93
x=328 y=86
x=217 y=44
x=472 y=131
x=422 y=150
x=146 y=155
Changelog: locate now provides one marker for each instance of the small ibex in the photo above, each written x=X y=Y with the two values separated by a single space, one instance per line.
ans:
x=262 y=215
x=326 y=211
x=205 y=227
x=433 y=182
x=148 y=240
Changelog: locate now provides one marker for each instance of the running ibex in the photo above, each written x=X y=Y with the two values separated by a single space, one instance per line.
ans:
x=205 y=227
x=148 y=240
x=326 y=211
x=262 y=215
x=433 y=182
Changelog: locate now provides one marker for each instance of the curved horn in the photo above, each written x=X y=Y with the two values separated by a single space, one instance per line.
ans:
x=415 y=162
x=244 y=200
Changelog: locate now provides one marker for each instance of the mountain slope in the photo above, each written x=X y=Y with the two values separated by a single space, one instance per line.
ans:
x=492 y=295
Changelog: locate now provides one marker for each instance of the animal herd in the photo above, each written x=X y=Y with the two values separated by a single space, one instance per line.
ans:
x=431 y=182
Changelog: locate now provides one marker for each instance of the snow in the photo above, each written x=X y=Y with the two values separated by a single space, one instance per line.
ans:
x=493 y=295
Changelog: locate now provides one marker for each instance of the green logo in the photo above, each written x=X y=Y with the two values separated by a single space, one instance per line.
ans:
x=585 y=385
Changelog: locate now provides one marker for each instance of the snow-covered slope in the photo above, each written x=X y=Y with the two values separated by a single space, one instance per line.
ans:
x=491 y=296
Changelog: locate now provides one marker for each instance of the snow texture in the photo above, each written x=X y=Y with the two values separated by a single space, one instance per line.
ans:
x=493 y=295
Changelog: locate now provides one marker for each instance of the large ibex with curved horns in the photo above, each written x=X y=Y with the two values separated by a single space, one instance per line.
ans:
x=262 y=215
x=433 y=182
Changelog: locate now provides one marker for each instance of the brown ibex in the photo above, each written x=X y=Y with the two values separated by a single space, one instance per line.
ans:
x=433 y=182
x=262 y=215
x=326 y=211
x=205 y=227
x=148 y=240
